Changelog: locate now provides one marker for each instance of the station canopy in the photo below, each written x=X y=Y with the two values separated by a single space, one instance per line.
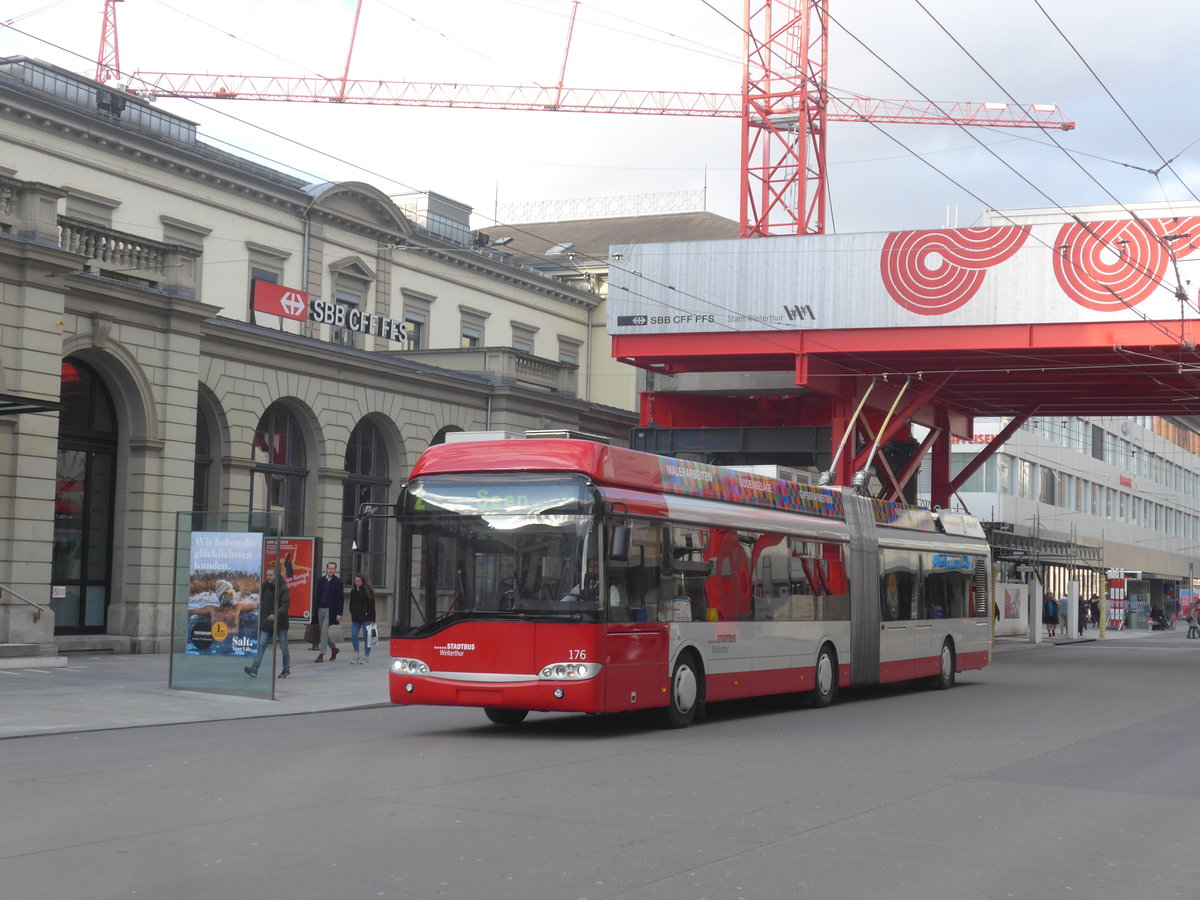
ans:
x=1094 y=315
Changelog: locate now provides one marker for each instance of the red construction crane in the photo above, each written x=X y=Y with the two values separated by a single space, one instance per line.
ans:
x=784 y=106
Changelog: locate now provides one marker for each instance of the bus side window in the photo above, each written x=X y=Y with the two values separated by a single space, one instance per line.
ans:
x=770 y=581
x=834 y=604
x=947 y=589
x=640 y=576
x=690 y=571
x=899 y=589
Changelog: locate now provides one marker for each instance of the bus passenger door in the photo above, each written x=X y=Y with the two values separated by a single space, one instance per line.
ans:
x=637 y=645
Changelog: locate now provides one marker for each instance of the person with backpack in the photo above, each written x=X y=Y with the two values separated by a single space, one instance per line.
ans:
x=1049 y=613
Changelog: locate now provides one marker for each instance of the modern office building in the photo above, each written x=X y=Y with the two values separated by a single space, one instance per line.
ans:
x=1068 y=499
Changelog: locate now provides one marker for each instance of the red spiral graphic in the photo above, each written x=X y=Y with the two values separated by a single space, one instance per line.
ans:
x=1116 y=265
x=935 y=272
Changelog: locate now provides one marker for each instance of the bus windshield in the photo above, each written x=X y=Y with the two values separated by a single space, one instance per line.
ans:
x=515 y=546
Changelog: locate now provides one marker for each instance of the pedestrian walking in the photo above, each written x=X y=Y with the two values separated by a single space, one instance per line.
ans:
x=331 y=595
x=1193 y=627
x=362 y=614
x=273 y=599
x=1094 y=603
x=1083 y=614
x=1049 y=613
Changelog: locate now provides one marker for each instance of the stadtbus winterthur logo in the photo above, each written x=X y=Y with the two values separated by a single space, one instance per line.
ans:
x=796 y=313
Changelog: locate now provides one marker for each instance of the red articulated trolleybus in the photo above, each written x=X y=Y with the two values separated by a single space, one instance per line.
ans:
x=569 y=575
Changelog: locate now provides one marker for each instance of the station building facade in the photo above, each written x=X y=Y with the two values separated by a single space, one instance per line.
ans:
x=139 y=381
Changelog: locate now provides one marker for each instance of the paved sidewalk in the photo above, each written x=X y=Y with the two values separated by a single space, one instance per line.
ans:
x=1022 y=642
x=92 y=693
x=95 y=692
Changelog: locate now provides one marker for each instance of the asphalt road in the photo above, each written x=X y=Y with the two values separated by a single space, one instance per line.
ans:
x=1058 y=771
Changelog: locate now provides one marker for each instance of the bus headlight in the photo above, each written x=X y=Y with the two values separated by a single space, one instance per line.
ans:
x=404 y=666
x=570 y=671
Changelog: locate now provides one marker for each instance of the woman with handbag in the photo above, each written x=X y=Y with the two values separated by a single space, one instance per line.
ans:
x=362 y=616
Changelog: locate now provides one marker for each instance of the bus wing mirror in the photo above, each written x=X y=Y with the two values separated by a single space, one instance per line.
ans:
x=619 y=548
x=362 y=530
x=362 y=535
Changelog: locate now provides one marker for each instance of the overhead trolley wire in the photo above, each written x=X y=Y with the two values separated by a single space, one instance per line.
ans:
x=1136 y=267
x=869 y=364
x=1166 y=244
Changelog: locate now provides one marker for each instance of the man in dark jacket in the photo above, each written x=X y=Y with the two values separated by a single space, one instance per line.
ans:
x=331 y=594
x=273 y=600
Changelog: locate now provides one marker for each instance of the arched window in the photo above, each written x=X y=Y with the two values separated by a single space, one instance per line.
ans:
x=280 y=469
x=83 y=501
x=202 y=468
x=367 y=482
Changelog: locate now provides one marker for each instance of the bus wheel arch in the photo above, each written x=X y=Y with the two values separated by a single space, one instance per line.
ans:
x=685 y=692
x=947 y=664
x=825 y=677
x=501 y=716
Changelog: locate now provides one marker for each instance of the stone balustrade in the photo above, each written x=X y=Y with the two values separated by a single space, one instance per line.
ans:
x=127 y=257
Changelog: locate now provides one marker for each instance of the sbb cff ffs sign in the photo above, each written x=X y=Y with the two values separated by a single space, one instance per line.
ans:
x=289 y=303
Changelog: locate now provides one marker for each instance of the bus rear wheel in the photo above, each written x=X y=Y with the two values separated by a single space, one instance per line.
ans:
x=825 y=679
x=686 y=693
x=944 y=679
x=505 y=716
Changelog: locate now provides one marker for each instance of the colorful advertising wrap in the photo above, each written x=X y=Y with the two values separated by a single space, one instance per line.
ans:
x=295 y=556
x=223 y=585
x=1097 y=271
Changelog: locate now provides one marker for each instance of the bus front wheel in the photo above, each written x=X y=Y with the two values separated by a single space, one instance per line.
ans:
x=505 y=716
x=825 y=678
x=686 y=692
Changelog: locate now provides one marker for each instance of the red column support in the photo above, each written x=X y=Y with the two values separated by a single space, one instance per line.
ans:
x=989 y=450
x=940 y=490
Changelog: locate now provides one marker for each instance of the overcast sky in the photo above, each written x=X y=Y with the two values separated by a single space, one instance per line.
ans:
x=1144 y=54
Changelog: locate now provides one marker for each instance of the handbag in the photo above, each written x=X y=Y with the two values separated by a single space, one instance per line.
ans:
x=372 y=634
x=312 y=631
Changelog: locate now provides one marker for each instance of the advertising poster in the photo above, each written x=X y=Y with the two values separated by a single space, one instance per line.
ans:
x=1013 y=608
x=223 y=583
x=296 y=555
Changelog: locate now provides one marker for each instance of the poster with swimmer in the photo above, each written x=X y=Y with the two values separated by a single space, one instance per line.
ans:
x=225 y=574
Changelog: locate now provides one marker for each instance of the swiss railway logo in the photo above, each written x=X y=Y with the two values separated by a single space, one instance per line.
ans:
x=293 y=303
x=278 y=300
x=632 y=320
x=1102 y=266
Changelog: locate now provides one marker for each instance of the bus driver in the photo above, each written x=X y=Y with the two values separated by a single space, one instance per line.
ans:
x=587 y=593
